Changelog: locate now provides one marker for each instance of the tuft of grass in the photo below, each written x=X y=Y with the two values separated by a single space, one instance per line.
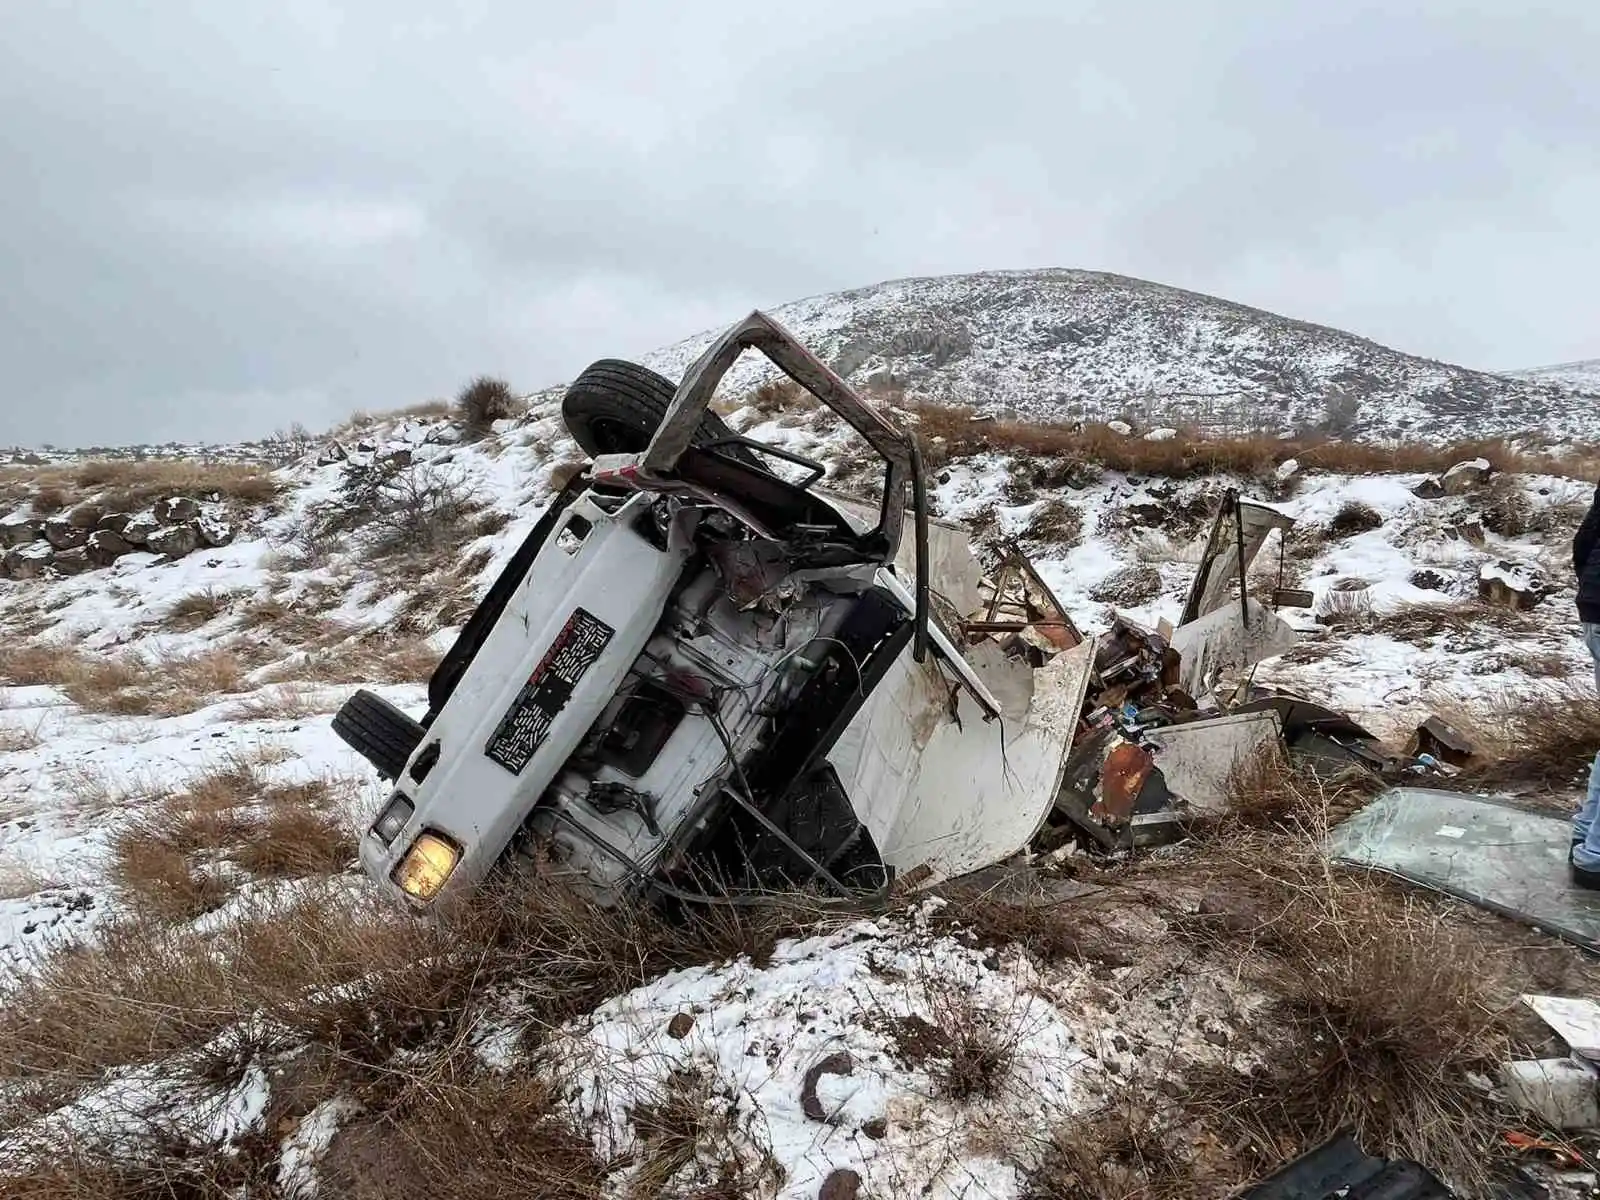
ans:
x=286 y=702
x=1118 y=1153
x=1353 y=517
x=1544 y=738
x=483 y=402
x=294 y=840
x=198 y=608
x=1056 y=522
x=14 y=739
x=1421 y=624
x=128 y=485
x=378 y=658
x=27 y=666
x=966 y=1050
x=1138 y=583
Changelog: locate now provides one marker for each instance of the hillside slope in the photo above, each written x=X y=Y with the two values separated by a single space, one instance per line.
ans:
x=1583 y=375
x=1069 y=344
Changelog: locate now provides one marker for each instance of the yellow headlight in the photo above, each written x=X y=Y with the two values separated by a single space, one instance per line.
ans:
x=427 y=865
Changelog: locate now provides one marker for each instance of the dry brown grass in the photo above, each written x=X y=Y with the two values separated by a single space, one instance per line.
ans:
x=16 y=738
x=1545 y=738
x=1137 y=583
x=1354 y=517
x=1191 y=455
x=1121 y=1152
x=281 y=702
x=483 y=402
x=127 y=485
x=139 y=685
x=199 y=608
x=375 y=658
x=27 y=666
x=1421 y=624
x=1380 y=1008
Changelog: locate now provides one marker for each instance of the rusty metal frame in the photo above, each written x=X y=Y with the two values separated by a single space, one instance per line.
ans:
x=899 y=451
x=760 y=332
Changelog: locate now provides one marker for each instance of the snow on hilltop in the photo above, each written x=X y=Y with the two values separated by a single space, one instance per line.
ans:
x=1068 y=344
x=1583 y=376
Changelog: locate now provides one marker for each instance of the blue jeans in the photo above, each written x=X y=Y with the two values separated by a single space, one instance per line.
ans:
x=1585 y=826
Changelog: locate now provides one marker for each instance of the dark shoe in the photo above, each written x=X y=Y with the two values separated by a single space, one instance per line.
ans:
x=1585 y=879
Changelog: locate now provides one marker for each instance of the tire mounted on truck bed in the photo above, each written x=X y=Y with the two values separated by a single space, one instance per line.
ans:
x=379 y=732
x=615 y=407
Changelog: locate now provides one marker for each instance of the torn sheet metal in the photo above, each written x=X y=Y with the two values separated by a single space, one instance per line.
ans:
x=1482 y=850
x=939 y=787
x=1442 y=740
x=1198 y=758
x=1113 y=791
x=1220 y=641
x=1341 y=1168
x=1575 y=1020
x=1238 y=521
x=953 y=570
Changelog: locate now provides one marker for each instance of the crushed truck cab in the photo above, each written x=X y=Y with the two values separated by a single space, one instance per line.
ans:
x=701 y=673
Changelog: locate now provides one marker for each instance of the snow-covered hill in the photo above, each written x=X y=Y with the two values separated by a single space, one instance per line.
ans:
x=1069 y=344
x=1583 y=375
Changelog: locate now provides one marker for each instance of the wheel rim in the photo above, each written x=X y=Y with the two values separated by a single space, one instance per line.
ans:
x=616 y=437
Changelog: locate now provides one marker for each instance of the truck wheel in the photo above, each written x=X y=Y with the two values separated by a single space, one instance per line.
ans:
x=615 y=407
x=379 y=732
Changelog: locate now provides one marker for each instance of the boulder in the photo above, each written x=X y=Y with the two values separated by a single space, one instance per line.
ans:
x=1120 y=428
x=398 y=456
x=27 y=562
x=85 y=516
x=173 y=540
x=64 y=535
x=332 y=453
x=213 y=530
x=105 y=547
x=1161 y=435
x=1466 y=476
x=176 y=509
x=139 y=529
x=1429 y=489
x=1510 y=585
x=1430 y=581
x=115 y=522
x=19 y=531
x=1286 y=470
x=71 y=562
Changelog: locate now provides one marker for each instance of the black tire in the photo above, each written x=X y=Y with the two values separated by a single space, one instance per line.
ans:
x=615 y=407
x=379 y=732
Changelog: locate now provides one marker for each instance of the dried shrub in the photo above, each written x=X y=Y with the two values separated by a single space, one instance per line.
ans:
x=198 y=608
x=145 y=685
x=483 y=402
x=1354 y=517
x=376 y=658
x=1193 y=454
x=413 y=510
x=128 y=485
x=28 y=666
x=1544 y=738
x=1422 y=624
x=1118 y=1153
x=781 y=395
x=967 y=1051
x=1380 y=1011
x=1128 y=586
x=1056 y=522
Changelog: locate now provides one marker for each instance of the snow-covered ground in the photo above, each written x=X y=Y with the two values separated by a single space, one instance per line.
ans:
x=750 y=1034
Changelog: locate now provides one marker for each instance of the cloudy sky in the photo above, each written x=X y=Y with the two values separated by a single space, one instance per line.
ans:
x=220 y=217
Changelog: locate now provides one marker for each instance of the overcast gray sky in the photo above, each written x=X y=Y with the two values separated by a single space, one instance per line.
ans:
x=220 y=217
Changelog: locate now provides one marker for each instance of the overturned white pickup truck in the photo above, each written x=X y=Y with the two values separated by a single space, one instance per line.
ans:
x=702 y=673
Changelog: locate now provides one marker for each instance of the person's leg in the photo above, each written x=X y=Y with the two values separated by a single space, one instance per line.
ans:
x=1585 y=826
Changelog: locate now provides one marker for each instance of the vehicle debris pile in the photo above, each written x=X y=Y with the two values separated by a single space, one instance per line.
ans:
x=704 y=672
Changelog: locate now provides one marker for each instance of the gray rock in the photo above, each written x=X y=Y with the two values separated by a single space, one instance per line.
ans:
x=173 y=540
x=85 y=516
x=213 y=530
x=27 y=562
x=64 y=535
x=71 y=562
x=138 y=530
x=105 y=547
x=176 y=509
x=332 y=453
x=1516 y=586
x=115 y=522
x=1467 y=477
x=19 y=531
x=1429 y=489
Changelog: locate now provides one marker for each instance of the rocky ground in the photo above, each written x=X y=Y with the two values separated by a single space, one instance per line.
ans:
x=203 y=1000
